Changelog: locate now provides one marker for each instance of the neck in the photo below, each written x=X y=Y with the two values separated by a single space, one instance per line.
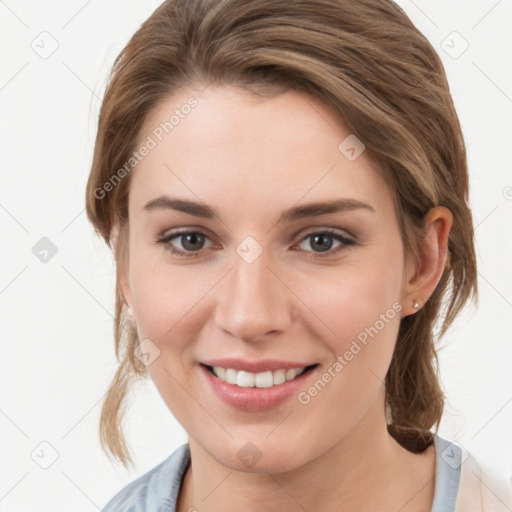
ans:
x=366 y=470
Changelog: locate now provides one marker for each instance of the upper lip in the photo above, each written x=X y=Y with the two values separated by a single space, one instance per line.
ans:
x=255 y=366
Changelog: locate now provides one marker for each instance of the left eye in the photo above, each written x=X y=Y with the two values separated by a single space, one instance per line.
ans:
x=192 y=242
x=323 y=240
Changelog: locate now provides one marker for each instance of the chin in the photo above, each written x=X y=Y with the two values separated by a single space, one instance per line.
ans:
x=258 y=456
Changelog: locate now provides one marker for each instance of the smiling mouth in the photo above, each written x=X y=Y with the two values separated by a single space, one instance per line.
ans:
x=267 y=379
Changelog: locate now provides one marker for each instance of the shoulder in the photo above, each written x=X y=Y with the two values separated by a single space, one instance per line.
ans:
x=467 y=483
x=483 y=488
x=155 y=490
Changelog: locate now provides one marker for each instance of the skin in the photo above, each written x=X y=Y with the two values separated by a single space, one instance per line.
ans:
x=250 y=159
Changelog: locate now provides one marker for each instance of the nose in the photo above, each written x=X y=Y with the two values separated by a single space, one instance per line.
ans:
x=253 y=302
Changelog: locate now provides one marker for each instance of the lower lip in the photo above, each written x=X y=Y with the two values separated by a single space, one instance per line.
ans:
x=255 y=399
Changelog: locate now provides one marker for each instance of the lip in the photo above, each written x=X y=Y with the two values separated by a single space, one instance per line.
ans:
x=255 y=399
x=256 y=366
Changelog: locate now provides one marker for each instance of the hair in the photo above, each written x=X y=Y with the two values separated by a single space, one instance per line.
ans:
x=372 y=67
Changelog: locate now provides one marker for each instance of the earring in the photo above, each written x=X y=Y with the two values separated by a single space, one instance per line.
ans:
x=389 y=416
x=129 y=315
x=415 y=305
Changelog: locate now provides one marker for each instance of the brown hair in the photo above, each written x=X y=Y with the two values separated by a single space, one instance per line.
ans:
x=373 y=68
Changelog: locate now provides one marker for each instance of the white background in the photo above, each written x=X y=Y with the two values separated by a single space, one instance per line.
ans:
x=57 y=354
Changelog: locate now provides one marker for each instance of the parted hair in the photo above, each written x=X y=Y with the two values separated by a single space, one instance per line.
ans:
x=374 y=70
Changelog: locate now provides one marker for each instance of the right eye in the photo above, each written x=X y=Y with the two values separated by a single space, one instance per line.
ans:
x=191 y=243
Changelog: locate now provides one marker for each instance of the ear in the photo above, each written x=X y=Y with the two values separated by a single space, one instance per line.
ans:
x=119 y=245
x=424 y=276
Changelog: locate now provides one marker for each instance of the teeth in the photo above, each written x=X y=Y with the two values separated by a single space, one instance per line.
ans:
x=264 y=380
x=245 y=379
x=230 y=375
x=260 y=380
x=221 y=373
x=291 y=374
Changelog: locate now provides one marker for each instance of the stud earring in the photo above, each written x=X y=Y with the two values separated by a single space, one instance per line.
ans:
x=415 y=305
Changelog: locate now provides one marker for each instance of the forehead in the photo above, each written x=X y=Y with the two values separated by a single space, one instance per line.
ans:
x=224 y=144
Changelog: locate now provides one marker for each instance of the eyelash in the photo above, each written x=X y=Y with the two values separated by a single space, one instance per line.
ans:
x=165 y=241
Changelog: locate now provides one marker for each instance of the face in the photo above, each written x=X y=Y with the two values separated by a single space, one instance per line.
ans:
x=230 y=267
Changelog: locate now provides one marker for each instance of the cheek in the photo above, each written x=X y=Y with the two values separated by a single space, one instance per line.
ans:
x=165 y=299
x=167 y=302
x=356 y=296
x=360 y=312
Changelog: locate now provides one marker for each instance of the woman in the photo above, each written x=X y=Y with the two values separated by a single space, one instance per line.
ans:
x=284 y=187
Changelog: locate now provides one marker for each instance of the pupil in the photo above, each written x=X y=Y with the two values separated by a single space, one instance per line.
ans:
x=323 y=238
x=191 y=239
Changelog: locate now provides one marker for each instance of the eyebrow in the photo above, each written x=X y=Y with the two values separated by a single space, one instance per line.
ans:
x=291 y=214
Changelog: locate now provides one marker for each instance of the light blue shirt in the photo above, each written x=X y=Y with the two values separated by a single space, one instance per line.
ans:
x=157 y=490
